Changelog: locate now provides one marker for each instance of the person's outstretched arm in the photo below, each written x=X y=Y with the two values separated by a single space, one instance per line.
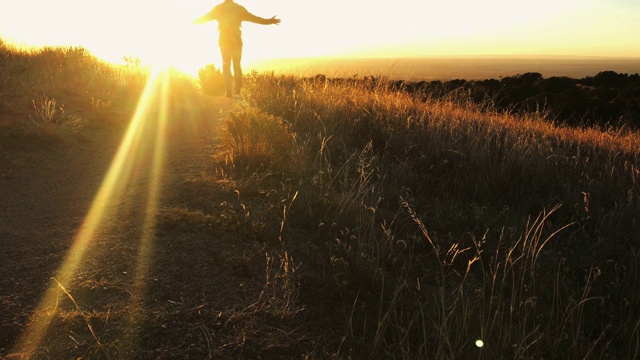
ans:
x=211 y=15
x=263 y=21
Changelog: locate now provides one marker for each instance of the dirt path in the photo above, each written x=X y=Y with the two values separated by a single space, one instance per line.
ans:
x=46 y=192
x=151 y=278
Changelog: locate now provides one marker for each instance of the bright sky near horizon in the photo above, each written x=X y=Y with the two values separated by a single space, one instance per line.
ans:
x=160 y=31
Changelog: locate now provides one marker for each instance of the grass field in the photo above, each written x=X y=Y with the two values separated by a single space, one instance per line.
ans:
x=308 y=219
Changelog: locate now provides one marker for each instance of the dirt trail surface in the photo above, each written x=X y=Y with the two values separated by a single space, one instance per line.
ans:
x=159 y=267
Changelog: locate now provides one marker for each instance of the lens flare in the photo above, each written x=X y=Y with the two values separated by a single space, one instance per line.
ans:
x=143 y=131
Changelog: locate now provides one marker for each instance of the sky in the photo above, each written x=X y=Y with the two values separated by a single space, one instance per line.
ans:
x=160 y=31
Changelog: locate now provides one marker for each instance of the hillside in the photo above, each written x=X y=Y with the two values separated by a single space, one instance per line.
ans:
x=118 y=236
x=442 y=221
x=307 y=219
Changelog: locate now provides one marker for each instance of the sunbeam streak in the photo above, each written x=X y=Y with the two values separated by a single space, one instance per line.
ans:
x=110 y=194
x=143 y=261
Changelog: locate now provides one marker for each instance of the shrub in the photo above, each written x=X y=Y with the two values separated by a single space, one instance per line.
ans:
x=254 y=140
x=211 y=82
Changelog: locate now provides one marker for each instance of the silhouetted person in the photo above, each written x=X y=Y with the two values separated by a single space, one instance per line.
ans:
x=230 y=17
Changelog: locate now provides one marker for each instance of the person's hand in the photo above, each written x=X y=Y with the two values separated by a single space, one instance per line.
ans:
x=274 y=21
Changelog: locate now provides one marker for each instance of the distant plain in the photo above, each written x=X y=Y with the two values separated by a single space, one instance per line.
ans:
x=427 y=69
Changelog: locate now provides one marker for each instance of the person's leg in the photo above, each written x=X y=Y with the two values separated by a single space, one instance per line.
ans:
x=226 y=69
x=237 y=68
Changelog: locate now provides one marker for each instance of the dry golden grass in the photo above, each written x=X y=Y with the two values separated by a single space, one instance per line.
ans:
x=379 y=225
x=64 y=88
x=440 y=223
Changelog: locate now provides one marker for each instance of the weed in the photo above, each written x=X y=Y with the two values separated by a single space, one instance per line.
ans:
x=51 y=119
x=45 y=112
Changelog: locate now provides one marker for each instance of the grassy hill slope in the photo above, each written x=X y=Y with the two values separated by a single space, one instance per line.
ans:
x=311 y=219
x=429 y=225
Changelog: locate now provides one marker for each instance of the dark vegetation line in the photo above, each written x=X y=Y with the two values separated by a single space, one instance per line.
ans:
x=608 y=99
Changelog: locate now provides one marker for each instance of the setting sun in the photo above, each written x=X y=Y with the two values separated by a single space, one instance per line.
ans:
x=158 y=33
x=161 y=32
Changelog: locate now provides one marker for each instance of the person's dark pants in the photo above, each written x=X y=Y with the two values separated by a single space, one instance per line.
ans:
x=231 y=54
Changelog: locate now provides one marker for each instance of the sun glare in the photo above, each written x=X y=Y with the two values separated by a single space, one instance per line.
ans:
x=160 y=34
x=146 y=134
x=162 y=37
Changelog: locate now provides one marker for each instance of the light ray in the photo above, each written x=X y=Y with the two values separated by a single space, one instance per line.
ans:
x=143 y=260
x=100 y=212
